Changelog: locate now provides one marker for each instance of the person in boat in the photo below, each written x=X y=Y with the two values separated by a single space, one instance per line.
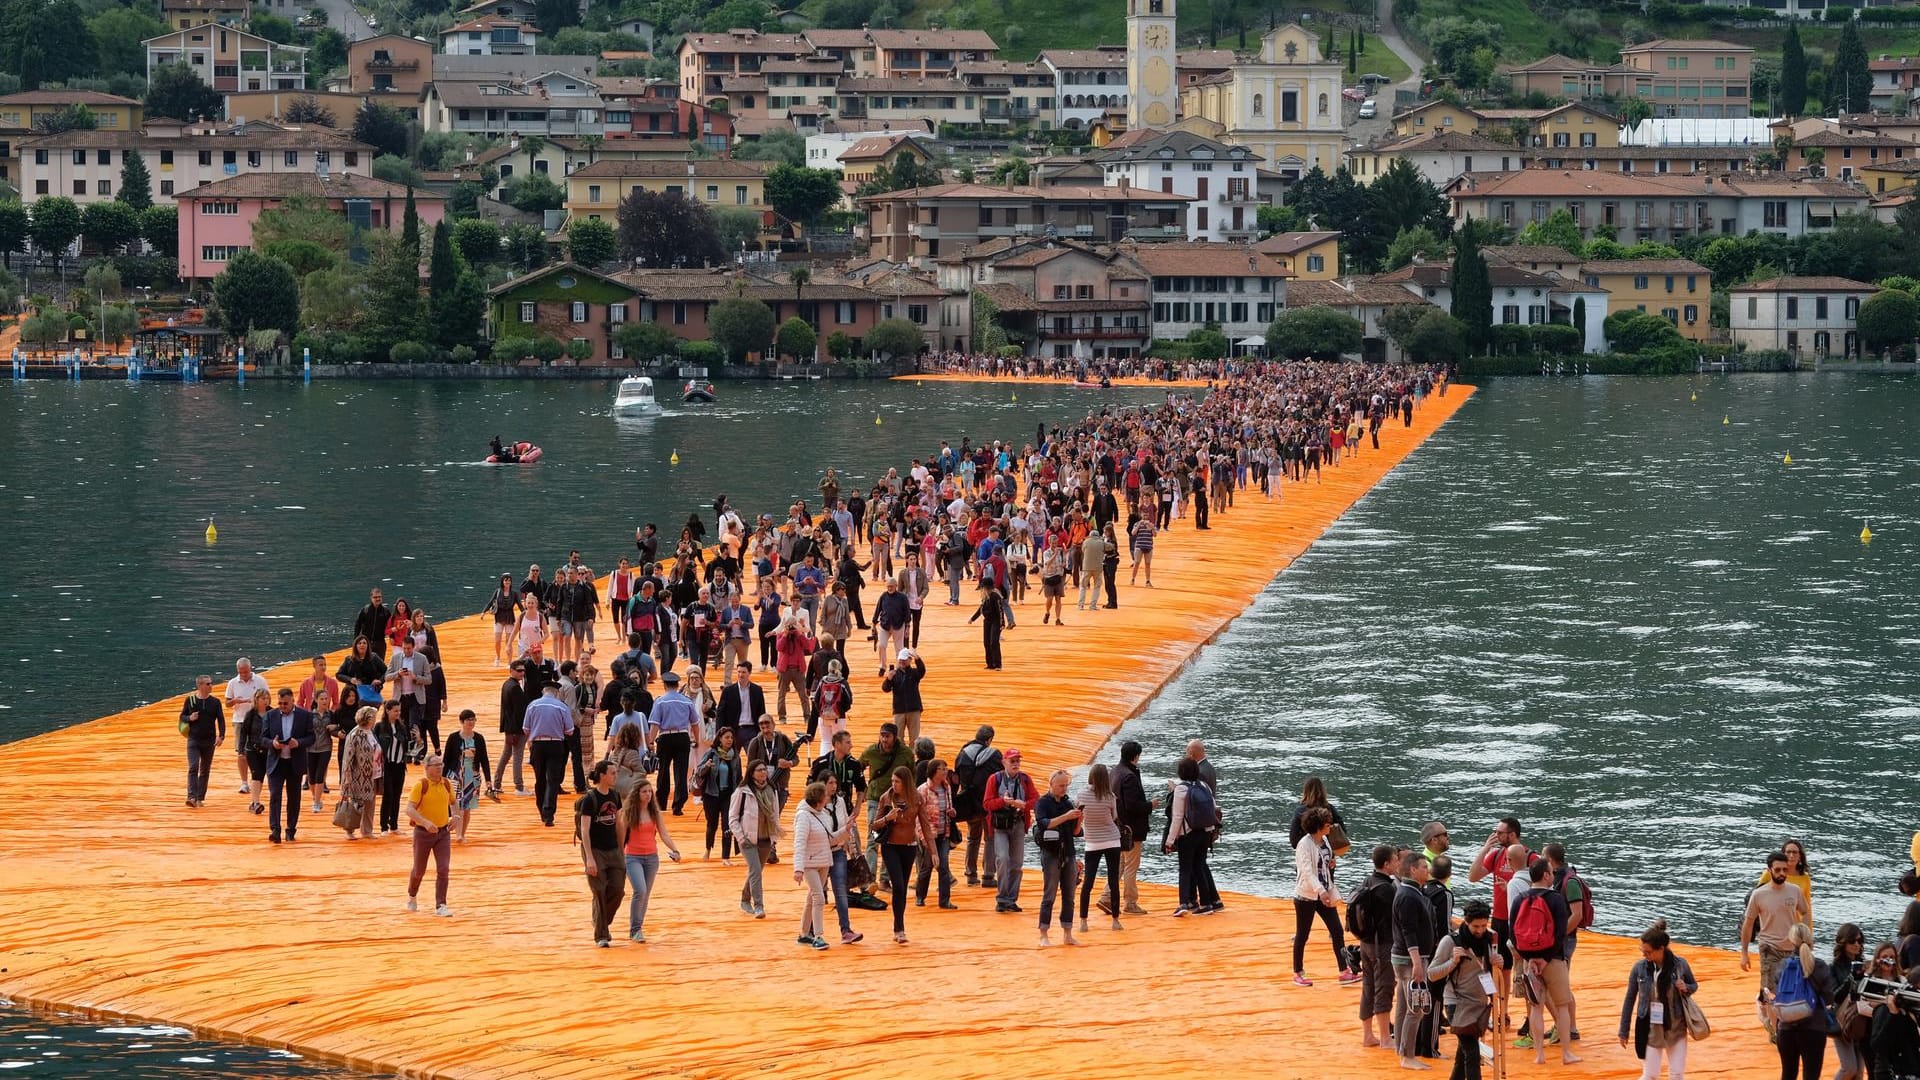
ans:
x=503 y=454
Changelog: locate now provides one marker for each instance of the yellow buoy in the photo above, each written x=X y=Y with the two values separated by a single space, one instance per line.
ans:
x=1693 y=397
x=1016 y=397
x=1866 y=534
x=876 y=421
x=1788 y=460
x=675 y=459
x=1725 y=420
x=213 y=534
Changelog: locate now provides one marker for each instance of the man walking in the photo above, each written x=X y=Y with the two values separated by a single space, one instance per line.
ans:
x=206 y=728
x=549 y=722
x=672 y=718
x=977 y=764
x=904 y=683
x=1009 y=804
x=1771 y=911
x=595 y=814
x=430 y=807
x=514 y=700
x=289 y=732
x=240 y=691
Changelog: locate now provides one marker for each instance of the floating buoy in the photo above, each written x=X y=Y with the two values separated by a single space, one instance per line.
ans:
x=1693 y=397
x=213 y=534
x=1016 y=397
x=1725 y=420
x=675 y=459
x=1788 y=460
x=1866 y=534
x=876 y=421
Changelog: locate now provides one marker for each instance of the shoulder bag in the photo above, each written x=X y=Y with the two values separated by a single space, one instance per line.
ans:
x=1697 y=1026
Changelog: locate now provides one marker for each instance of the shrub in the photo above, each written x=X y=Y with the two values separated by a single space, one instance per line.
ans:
x=1556 y=339
x=409 y=352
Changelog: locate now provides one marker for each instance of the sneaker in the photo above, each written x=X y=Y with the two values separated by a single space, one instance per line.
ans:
x=1205 y=909
x=1133 y=909
x=1524 y=1042
x=604 y=943
x=900 y=939
x=746 y=908
x=412 y=904
x=443 y=911
x=1349 y=978
x=804 y=940
x=1300 y=979
x=637 y=939
x=988 y=882
x=851 y=938
x=949 y=907
x=1182 y=911
x=819 y=944
x=759 y=913
x=1105 y=907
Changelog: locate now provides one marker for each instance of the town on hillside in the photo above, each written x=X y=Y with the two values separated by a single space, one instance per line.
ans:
x=198 y=188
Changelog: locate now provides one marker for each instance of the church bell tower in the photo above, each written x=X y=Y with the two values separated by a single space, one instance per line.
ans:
x=1153 y=98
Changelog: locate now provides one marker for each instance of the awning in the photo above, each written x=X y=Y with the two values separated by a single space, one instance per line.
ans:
x=1252 y=342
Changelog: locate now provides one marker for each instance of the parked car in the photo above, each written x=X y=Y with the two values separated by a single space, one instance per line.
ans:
x=1354 y=93
x=1368 y=110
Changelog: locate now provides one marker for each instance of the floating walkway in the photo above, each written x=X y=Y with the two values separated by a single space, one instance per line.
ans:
x=121 y=902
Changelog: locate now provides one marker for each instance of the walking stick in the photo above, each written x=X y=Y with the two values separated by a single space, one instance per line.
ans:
x=1499 y=1027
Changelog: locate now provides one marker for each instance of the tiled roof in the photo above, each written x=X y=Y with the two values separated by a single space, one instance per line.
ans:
x=724 y=282
x=1204 y=260
x=697 y=169
x=1061 y=193
x=1293 y=243
x=747 y=42
x=1364 y=293
x=1015 y=298
x=956 y=40
x=266 y=185
x=1807 y=284
x=1686 y=45
x=1440 y=141
x=65 y=97
x=873 y=148
x=1204 y=58
x=1182 y=143
x=1645 y=266
x=1531 y=253
x=1554 y=62
x=490 y=22
x=259 y=137
x=1597 y=184
x=835 y=39
x=1112 y=57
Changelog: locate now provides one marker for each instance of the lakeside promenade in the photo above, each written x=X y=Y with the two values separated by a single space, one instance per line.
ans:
x=124 y=903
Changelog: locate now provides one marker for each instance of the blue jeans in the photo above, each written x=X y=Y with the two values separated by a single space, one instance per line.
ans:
x=1057 y=873
x=641 y=870
x=839 y=876
x=1009 y=856
x=925 y=868
x=199 y=767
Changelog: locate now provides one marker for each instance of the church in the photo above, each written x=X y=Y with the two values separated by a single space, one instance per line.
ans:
x=1284 y=104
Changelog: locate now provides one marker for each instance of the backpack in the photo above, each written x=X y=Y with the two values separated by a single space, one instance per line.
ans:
x=1365 y=917
x=1533 y=923
x=829 y=699
x=1586 y=897
x=1203 y=814
x=1794 y=997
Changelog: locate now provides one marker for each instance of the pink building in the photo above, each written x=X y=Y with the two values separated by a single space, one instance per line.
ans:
x=216 y=219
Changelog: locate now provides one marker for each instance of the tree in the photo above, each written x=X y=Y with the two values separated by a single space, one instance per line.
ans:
x=737 y=227
x=592 y=242
x=410 y=228
x=478 y=241
x=645 y=341
x=257 y=292
x=14 y=230
x=526 y=248
x=1793 y=72
x=1557 y=229
x=1634 y=110
x=839 y=345
x=1298 y=333
x=116 y=322
x=308 y=110
x=905 y=173
x=160 y=228
x=1472 y=291
x=553 y=16
x=802 y=195
x=1849 y=82
x=1208 y=342
x=1436 y=338
x=1419 y=242
x=895 y=338
x=119 y=36
x=393 y=309
x=796 y=338
x=101 y=281
x=72 y=118
x=136 y=186
x=326 y=53
x=443 y=276
x=1633 y=331
x=666 y=229
x=382 y=128
x=784 y=145
x=109 y=226
x=1013 y=170
x=46 y=42
x=303 y=218
x=1889 y=319
x=56 y=224
x=740 y=326
x=175 y=91
x=304 y=256
x=534 y=193
x=331 y=300
x=987 y=334
x=396 y=170
x=1453 y=39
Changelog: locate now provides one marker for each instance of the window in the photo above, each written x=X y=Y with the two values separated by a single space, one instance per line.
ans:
x=1085 y=292
x=1639 y=281
x=528 y=309
x=1820 y=307
x=1775 y=214
x=1323 y=105
x=1853 y=307
x=290 y=158
x=166 y=187
x=679 y=314
x=1289 y=107
x=1753 y=308
x=843 y=312
x=740 y=194
x=1690 y=282
x=713 y=192
x=593 y=193
x=577 y=311
x=79 y=187
x=1316 y=263
x=1793 y=307
x=353 y=157
x=39 y=187
x=79 y=157
x=1693 y=313
x=104 y=187
x=166 y=159
x=220 y=209
x=39 y=157
x=206 y=158
x=104 y=157
x=917 y=313
x=1510 y=314
x=584 y=341
x=1061 y=292
x=219 y=252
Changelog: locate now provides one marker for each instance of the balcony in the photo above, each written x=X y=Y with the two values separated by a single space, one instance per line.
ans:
x=1088 y=333
x=1238 y=198
x=1157 y=232
x=389 y=66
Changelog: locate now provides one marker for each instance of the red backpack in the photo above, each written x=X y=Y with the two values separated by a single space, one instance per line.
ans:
x=1533 y=923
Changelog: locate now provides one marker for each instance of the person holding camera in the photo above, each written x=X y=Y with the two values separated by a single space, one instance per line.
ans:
x=899 y=820
x=1009 y=800
x=1057 y=822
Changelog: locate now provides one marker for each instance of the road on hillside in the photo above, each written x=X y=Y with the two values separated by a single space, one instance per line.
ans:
x=344 y=17
x=1365 y=131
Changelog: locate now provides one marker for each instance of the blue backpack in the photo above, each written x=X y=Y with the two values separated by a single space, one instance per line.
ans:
x=1794 y=998
x=1203 y=814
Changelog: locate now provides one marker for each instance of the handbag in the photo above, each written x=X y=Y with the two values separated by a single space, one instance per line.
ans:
x=859 y=870
x=346 y=815
x=1697 y=1026
x=1337 y=840
x=1126 y=838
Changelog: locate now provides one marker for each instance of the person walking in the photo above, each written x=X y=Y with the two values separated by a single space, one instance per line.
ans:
x=977 y=763
x=1057 y=821
x=394 y=739
x=1539 y=920
x=936 y=802
x=549 y=721
x=360 y=774
x=643 y=828
x=596 y=817
x=1106 y=836
x=514 y=699
x=1773 y=909
x=430 y=807
x=1136 y=814
x=1192 y=820
x=992 y=617
x=672 y=721
x=287 y=732
x=1009 y=800
x=1801 y=1018
x=903 y=682
x=717 y=775
x=204 y=723
x=903 y=826
x=244 y=691
x=320 y=752
x=813 y=860
x=1797 y=873
x=755 y=820
x=1653 y=1014
x=472 y=772
x=1140 y=534
x=1851 y=1041
x=1465 y=960
x=1313 y=896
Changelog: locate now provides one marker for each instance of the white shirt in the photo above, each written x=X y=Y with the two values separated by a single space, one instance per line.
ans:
x=240 y=693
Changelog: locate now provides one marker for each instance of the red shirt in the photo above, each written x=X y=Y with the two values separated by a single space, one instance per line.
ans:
x=1496 y=865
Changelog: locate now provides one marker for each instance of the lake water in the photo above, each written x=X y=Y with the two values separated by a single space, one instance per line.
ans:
x=38 y=1045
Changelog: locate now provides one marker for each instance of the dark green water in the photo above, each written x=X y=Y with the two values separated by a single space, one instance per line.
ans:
x=35 y=1044
x=1590 y=604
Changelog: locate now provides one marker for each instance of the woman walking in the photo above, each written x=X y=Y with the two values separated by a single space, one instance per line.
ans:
x=1849 y=966
x=1056 y=820
x=395 y=739
x=1313 y=895
x=1190 y=837
x=1654 y=1012
x=629 y=754
x=936 y=802
x=1100 y=823
x=1802 y=1041
x=813 y=863
x=755 y=821
x=1464 y=961
x=504 y=605
x=360 y=769
x=1140 y=534
x=718 y=774
x=253 y=742
x=363 y=672
x=471 y=772
x=903 y=830
x=320 y=754
x=992 y=617
x=642 y=830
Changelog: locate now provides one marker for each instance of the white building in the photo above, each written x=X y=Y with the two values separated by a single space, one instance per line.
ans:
x=490 y=35
x=1223 y=180
x=1087 y=83
x=1520 y=297
x=1802 y=315
x=1227 y=285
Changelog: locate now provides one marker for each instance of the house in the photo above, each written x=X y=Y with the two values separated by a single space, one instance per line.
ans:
x=597 y=190
x=1363 y=299
x=1193 y=65
x=921 y=224
x=1845 y=155
x=555 y=103
x=490 y=35
x=521 y=10
x=1437 y=115
x=929 y=54
x=681 y=299
x=1891 y=176
x=1677 y=290
x=825 y=147
x=901 y=100
x=805 y=86
x=271 y=106
x=85 y=165
x=1802 y=315
x=1894 y=79
x=1663 y=208
x=1282 y=103
x=907 y=295
x=1539 y=258
x=1520 y=297
x=1677 y=77
x=1195 y=285
x=707 y=59
x=1795 y=9
x=1011 y=92
x=1305 y=256
x=637 y=28
x=1439 y=156
x=390 y=64
x=1066 y=300
x=1224 y=180
x=1088 y=83
x=643 y=110
x=216 y=219
x=500 y=68
x=861 y=161
x=565 y=302
x=21 y=114
x=229 y=59
x=181 y=14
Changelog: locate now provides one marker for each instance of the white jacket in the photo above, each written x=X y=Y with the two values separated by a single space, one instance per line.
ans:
x=812 y=839
x=1309 y=859
x=743 y=817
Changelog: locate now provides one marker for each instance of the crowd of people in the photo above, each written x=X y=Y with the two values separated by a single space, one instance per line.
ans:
x=679 y=718
x=1081 y=369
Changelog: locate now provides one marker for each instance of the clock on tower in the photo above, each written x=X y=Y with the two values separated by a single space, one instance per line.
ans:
x=1153 y=98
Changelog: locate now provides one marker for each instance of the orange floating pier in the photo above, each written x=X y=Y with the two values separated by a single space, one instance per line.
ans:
x=121 y=902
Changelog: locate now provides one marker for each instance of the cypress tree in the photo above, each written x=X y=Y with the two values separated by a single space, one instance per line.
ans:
x=410 y=229
x=1472 y=299
x=1850 y=83
x=1793 y=74
x=136 y=186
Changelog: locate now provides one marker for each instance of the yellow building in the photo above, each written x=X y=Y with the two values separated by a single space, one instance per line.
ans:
x=597 y=190
x=1283 y=104
x=21 y=113
x=864 y=159
x=1307 y=256
x=1437 y=115
x=1677 y=290
x=1890 y=176
x=1571 y=125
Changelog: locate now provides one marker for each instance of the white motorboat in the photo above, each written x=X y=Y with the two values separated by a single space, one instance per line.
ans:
x=635 y=395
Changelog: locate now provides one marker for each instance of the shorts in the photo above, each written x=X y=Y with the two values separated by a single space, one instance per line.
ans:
x=256 y=764
x=1053 y=586
x=565 y=628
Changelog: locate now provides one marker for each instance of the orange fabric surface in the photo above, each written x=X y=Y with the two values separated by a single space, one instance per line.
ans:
x=120 y=901
x=1126 y=380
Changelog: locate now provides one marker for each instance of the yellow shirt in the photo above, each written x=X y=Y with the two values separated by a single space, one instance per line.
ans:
x=433 y=801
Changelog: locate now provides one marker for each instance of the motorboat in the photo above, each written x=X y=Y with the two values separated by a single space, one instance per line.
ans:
x=523 y=453
x=697 y=393
x=635 y=395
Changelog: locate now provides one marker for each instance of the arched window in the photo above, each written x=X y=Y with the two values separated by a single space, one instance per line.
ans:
x=1323 y=104
x=1259 y=105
